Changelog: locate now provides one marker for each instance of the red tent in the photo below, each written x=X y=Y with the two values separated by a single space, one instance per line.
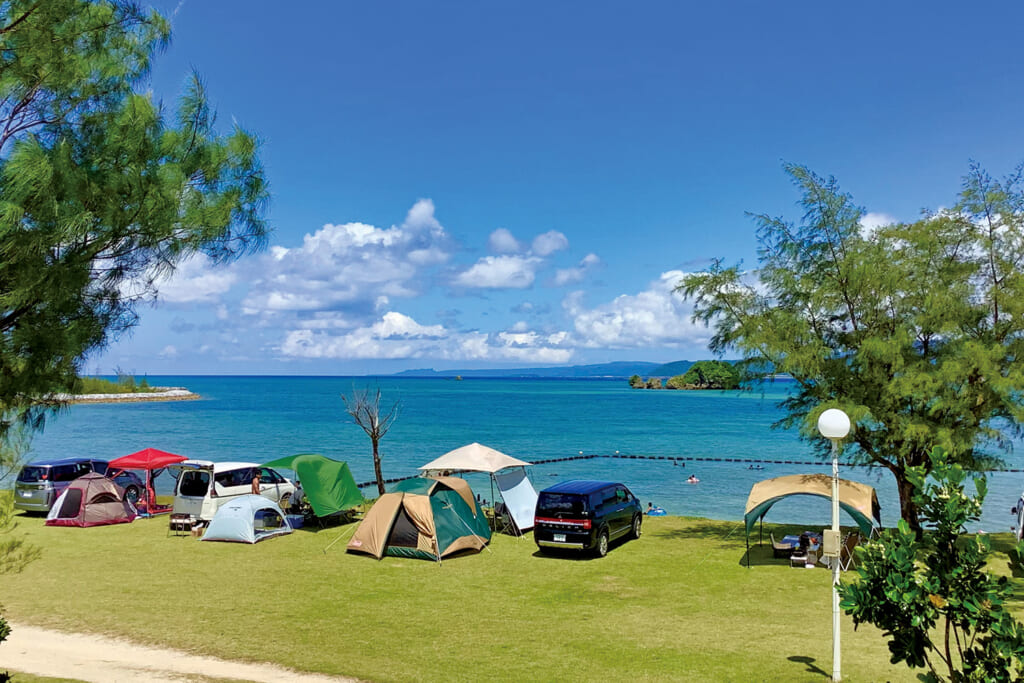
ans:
x=148 y=459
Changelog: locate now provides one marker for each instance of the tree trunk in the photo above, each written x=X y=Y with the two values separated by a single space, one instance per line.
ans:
x=376 y=469
x=908 y=509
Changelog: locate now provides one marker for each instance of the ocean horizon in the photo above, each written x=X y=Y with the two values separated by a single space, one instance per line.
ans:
x=258 y=418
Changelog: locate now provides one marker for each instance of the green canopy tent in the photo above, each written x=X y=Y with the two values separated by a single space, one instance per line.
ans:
x=858 y=500
x=327 y=484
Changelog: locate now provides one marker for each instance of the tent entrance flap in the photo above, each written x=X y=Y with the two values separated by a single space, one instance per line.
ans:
x=404 y=533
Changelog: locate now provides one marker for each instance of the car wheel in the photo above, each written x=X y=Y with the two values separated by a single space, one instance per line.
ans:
x=286 y=502
x=602 y=544
x=131 y=494
x=635 y=532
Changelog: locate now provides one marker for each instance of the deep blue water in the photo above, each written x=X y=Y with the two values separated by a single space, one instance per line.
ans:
x=261 y=418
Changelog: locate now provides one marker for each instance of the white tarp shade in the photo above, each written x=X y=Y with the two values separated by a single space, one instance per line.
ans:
x=474 y=458
x=519 y=495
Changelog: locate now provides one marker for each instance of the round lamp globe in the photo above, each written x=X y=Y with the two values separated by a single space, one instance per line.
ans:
x=834 y=424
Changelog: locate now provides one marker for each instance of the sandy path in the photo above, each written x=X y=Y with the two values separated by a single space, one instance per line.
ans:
x=105 y=660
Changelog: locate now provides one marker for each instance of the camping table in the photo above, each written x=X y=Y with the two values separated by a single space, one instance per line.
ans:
x=794 y=542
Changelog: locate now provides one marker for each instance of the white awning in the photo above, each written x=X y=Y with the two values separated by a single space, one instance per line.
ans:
x=473 y=458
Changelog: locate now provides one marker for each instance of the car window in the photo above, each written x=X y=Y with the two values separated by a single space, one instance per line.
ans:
x=64 y=473
x=269 y=476
x=194 y=483
x=555 y=504
x=99 y=466
x=621 y=495
x=610 y=497
x=33 y=474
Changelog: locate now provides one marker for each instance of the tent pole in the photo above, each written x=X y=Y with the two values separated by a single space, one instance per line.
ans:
x=748 y=551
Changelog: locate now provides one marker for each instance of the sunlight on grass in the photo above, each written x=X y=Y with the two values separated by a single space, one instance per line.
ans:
x=679 y=604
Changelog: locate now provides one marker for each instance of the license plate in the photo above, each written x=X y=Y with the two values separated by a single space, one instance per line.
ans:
x=559 y=538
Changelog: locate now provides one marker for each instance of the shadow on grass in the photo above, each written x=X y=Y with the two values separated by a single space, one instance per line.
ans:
x=577 y=555
x=812 y=668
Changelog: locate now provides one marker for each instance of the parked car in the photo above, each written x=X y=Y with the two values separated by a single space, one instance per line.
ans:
x=195 y=497
x=586 y=516
x=40 y=483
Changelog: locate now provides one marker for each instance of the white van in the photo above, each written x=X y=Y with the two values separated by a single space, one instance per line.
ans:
x=195 y=497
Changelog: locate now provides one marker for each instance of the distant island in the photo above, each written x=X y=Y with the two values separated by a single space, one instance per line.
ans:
x=616 y=370
x=704 y=374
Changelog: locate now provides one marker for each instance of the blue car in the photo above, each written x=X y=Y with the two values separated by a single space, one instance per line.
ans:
x=40 y=483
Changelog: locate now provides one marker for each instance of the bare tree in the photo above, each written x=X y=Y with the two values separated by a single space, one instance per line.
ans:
x=365 y=410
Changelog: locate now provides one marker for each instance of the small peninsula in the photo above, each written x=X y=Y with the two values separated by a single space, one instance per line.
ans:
x=704 y=374
x=125 y=389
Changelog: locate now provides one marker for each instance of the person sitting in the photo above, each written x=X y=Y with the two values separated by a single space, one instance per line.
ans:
x=298 y=498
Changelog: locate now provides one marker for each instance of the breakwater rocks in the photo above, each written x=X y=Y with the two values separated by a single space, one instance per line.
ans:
x=157 y=394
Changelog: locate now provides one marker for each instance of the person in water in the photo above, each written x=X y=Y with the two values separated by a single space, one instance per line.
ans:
x=693 y=479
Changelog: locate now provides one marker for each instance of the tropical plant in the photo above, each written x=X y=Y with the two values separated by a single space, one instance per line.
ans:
x=930 y=594
x=636 y=382
x=102 y=189
x=15 y=553
x=914 y=330
x=365 y=410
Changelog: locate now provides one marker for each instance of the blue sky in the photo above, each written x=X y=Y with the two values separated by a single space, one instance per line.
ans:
x=462 y=185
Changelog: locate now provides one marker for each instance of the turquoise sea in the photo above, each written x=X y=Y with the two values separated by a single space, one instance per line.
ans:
x=261 y=418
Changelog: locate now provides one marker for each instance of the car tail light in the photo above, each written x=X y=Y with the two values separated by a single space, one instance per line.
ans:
x=580 y=523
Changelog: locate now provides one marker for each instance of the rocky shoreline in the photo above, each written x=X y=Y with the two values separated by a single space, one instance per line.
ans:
x=158 y=394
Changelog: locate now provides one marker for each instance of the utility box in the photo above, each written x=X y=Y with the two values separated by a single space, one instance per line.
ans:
x=830 y=543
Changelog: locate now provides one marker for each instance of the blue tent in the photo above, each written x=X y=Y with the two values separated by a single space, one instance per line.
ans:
x=247 y=519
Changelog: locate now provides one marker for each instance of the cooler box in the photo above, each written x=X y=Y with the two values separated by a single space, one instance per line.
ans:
x=294 y=521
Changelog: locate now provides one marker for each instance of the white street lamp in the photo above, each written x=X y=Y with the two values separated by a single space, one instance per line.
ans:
x=834 y=425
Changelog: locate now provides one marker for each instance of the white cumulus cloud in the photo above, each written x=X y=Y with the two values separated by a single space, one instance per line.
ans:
x=655 y=317
x=500 y=272
x=565 y=276
x=196 y=280
x=353 y=265
x=501 y=241
x=549 y=242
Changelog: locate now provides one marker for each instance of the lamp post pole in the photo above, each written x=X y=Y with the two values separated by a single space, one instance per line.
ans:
x=836 y=663
x=835 y=425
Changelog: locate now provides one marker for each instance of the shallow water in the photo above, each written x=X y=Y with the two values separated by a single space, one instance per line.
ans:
x=261 y=418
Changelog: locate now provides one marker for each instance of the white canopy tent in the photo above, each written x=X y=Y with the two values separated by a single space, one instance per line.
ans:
x=473 y=458
x=517 y=493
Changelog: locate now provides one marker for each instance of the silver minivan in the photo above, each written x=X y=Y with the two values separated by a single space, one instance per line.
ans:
x=199 y=499
x=40 y=483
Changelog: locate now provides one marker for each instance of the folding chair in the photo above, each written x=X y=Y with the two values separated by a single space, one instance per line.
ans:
x=847 y=557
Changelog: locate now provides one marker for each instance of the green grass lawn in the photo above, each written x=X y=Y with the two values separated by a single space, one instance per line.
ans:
x=678 y=604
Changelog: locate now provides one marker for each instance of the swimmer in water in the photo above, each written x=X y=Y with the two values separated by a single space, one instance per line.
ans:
x=693 y=479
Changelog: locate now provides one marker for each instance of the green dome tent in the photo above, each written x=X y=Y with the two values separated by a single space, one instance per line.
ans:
x=327 y=484
x=425 y=518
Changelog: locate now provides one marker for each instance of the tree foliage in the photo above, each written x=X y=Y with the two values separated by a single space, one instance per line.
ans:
x=637 y=382
x=366 y=411
x=707 y=374
x=102 y=189
x=15 y=553
x=931 y=596
x=914 y=330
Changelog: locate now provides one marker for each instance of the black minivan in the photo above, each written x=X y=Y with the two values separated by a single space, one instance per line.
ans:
x=585 y=515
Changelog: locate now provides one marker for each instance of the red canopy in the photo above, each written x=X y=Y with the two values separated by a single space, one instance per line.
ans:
x=147 y=459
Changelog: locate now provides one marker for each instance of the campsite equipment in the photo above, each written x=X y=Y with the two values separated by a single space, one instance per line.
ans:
x=41 y=482
x=148 y=459
x=204 y=486
x=517 y=493
x=426 y=518
x=857 y=500
x=91 y=500
x=247 y=519
x=327 y=484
